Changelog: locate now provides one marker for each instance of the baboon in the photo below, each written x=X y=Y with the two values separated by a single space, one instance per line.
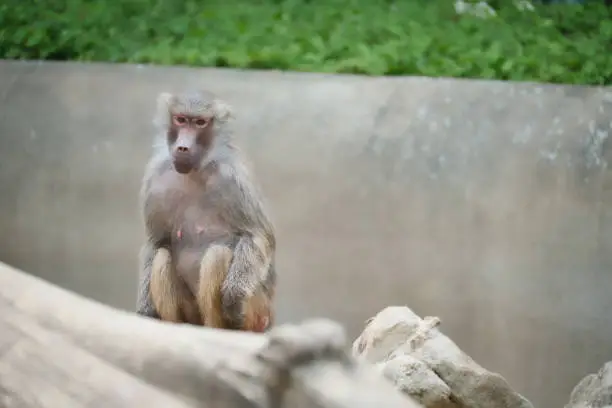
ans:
x=209 y=253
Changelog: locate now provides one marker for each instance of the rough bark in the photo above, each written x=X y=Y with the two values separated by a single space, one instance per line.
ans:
x=427 y=365
x=58 y=349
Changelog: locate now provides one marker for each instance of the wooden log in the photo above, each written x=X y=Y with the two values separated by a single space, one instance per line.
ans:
x=40 y=368
x=135 y=361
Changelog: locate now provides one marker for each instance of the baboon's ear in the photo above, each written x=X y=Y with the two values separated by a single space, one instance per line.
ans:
x=164 y=99
x=222 y=111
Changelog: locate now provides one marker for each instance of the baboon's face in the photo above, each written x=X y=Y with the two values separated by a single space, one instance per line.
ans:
x=189 y=139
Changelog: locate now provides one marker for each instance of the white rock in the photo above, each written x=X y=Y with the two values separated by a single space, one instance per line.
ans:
x=594 y=390
x=425 y=364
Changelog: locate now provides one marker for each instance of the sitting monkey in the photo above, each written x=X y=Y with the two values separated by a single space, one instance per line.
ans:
x=209 y=253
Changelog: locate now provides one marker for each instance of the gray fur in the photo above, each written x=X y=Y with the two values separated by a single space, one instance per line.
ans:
x=144 y=304
x=221 y=190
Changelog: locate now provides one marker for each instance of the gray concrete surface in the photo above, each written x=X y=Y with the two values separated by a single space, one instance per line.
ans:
x=485 y=203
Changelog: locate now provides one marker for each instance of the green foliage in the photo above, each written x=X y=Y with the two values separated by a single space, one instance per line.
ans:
x=556 y=43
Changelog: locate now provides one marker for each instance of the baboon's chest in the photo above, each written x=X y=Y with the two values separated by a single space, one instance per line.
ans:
x=188 y=211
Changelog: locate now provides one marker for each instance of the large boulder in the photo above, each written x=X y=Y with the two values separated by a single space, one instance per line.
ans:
x=425 y=364
x=594 y=390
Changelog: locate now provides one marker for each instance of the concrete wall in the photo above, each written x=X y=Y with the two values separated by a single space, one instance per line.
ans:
x=488 y=204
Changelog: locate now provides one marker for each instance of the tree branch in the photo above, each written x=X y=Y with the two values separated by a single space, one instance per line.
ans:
x=61 y=349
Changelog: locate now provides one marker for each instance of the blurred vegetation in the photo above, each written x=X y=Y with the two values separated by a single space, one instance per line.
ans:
x=554 y=43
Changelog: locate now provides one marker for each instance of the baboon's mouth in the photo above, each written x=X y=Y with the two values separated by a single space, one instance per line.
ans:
x=182 y=167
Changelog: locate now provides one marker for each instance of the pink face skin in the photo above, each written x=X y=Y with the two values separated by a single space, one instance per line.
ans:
x=189 y=138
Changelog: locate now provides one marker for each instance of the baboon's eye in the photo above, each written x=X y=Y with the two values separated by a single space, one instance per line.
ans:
x=201 y=122
x=179 y=120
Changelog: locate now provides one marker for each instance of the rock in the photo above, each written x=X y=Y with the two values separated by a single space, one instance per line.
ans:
x=414 y=378
x=425 y=364
x=594 y=390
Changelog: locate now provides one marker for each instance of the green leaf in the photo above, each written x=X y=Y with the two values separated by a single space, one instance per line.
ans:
x=556 y=43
